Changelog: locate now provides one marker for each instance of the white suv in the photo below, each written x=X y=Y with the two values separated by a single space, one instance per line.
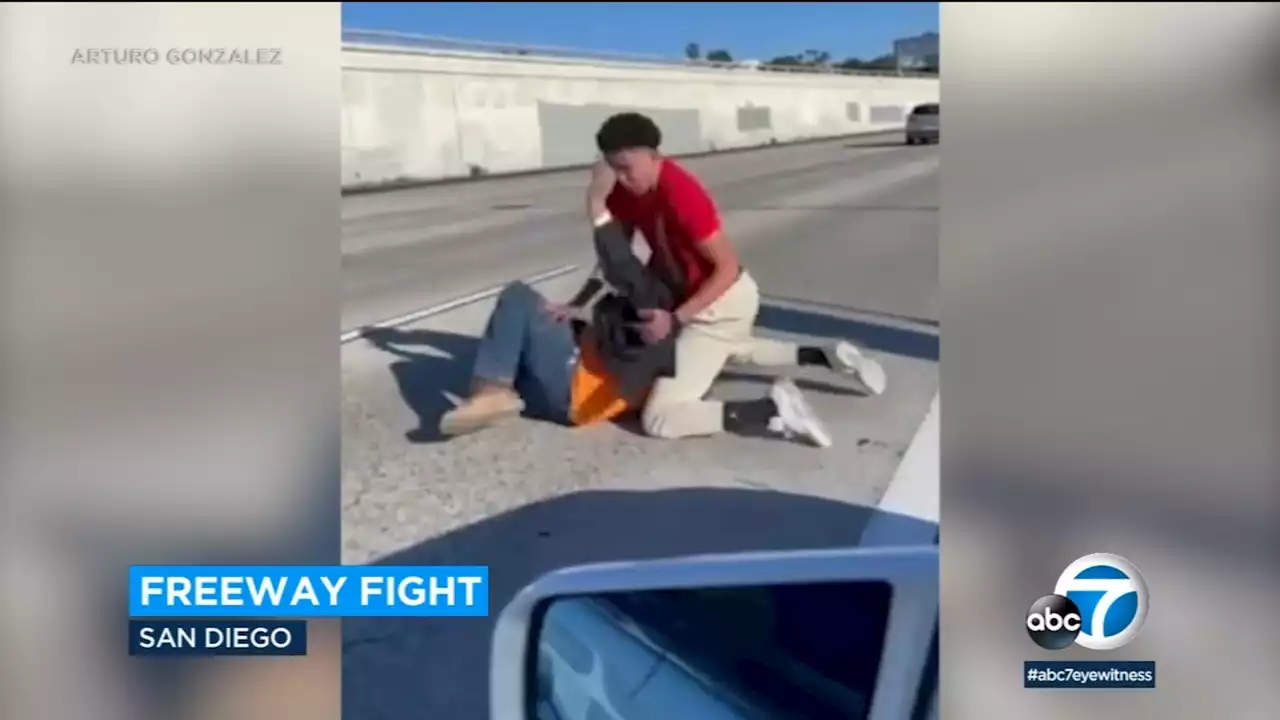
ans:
x=922 y=124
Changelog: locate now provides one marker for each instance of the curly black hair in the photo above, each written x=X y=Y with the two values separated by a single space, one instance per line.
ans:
x=626 y=131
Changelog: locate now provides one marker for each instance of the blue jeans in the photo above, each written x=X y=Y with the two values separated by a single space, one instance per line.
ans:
x=524 y=347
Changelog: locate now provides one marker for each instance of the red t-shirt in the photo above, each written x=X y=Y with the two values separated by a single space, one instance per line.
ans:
x=674 y=218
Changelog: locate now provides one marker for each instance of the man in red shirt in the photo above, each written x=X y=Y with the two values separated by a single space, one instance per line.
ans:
x=635 y=185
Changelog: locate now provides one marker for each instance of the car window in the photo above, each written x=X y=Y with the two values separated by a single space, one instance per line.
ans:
x=593 y=666
x=790 y=651
x=930 y=109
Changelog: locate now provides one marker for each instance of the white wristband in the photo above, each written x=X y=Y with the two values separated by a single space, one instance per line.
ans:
x=603 y=219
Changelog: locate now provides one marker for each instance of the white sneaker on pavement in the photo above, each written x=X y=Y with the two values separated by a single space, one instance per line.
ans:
x=795 y=416
x=845 y=357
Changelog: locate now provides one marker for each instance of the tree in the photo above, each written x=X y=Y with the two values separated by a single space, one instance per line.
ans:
x=787 y=61
x=816 y=58
x=721 y=56
x=693 y=51
x=807 y=61
x=884 y=62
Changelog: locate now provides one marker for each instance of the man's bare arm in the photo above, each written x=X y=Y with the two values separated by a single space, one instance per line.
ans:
x=723 y=257
x=603 y=179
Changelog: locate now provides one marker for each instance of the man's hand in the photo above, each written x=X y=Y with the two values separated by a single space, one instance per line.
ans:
x=603 y=178
x=656 y=325
x=561 y=312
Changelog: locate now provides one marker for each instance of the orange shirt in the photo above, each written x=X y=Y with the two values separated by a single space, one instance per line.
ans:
x=593 y=398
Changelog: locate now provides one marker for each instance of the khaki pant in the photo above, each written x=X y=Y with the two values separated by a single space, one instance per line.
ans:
x=720 y=335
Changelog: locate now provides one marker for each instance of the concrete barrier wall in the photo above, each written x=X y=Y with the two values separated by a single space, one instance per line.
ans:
x=428 y=115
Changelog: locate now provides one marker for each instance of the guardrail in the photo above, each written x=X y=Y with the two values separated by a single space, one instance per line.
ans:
x=390 y=40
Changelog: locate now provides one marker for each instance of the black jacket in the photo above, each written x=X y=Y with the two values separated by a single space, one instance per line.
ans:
x=631 y=363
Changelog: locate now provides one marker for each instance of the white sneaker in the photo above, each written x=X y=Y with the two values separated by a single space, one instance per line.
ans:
x=795 y=417
x=845 y=357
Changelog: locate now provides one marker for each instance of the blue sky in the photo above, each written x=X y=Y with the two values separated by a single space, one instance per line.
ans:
x=747 y=30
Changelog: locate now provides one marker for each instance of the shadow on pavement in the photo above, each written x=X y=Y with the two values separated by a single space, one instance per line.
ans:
x=766 y=377
x=872 y=336
x=897 y=317
x=438 y=668
x=426 y=379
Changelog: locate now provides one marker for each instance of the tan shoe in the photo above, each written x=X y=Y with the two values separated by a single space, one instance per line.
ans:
x=481 y=411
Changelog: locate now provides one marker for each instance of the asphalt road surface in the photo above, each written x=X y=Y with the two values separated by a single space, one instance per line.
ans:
x=843 y=239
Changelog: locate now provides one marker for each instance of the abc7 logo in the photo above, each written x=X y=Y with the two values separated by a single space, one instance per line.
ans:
x=1117 y=600
x=1053 y=622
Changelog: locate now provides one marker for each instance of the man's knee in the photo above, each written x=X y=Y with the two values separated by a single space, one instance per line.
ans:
x=518 y=289
x=656 y=421
x=519 y=294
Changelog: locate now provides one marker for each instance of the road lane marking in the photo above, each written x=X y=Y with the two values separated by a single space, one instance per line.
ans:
x=454 y=304
x=908 y=512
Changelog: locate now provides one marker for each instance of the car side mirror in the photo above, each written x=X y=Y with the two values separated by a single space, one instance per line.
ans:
x=815 y=634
